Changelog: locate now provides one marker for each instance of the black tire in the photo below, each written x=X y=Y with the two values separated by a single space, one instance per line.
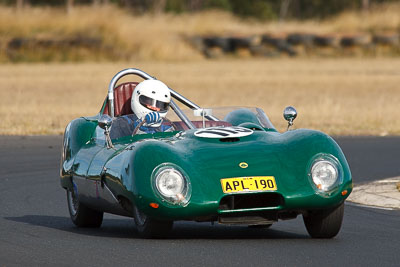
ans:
x=150 y=228
x=81 y=215
x=300 y=39
x=324 y=223
x=325 y=41
x=388 y=39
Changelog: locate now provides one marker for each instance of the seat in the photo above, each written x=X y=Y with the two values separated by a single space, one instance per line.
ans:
x=122 y=99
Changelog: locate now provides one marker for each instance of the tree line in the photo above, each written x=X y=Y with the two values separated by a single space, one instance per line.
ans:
x=259 y=9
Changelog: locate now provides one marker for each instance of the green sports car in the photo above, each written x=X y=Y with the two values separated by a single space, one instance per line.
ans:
x=228 y=165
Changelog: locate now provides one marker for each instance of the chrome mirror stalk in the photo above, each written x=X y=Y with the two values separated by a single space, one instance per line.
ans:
x=105 y=122
x=290 y=114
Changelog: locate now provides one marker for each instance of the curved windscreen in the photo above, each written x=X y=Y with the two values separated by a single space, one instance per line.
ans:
x=232 y=115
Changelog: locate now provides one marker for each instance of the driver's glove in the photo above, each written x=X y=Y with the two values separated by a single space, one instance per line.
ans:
x=153 y=117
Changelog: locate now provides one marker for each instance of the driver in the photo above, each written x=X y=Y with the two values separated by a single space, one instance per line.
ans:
x=150 y=102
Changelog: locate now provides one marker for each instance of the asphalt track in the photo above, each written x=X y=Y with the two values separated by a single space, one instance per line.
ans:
x=35 y=229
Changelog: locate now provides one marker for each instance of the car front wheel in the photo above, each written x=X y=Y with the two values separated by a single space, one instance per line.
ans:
x=81 y=215
x=151 y=228
x=324 y=223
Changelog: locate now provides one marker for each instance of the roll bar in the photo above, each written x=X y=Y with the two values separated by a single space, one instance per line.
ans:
x=116 y=78
x=174 y=94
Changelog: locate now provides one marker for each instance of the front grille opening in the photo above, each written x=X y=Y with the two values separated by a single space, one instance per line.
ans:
x=249 y=217
x=250 y=201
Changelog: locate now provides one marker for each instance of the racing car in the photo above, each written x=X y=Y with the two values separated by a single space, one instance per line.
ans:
x=225 y=164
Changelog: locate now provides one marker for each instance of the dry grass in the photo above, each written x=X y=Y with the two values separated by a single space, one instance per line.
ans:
x=138 y=37
x=382 y=18
x=162 y=37
x=338 y=96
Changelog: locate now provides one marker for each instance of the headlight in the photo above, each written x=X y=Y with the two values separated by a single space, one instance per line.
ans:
x=171 y=185
x=324 y=174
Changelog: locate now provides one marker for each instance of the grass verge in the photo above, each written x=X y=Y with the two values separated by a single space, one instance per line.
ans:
x=337 y=96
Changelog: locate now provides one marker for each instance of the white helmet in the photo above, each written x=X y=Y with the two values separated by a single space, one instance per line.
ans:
x=150 y=96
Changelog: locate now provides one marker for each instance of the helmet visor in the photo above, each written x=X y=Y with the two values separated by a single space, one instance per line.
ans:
x=153 y=104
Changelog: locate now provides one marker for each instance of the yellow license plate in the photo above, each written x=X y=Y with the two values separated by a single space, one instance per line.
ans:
x=248 y=184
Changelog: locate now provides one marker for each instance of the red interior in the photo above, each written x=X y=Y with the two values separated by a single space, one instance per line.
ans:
x=122 y=99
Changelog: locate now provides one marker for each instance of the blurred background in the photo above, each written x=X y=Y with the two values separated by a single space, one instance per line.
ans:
x=114 y=30
x=337 y=61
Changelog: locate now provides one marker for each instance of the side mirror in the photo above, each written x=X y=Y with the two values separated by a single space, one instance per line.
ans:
x=289 y=113
x=105 y=122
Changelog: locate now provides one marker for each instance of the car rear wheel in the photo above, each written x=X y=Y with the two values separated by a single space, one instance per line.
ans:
x=150 y=228
x=324 y=223
x=81 y=215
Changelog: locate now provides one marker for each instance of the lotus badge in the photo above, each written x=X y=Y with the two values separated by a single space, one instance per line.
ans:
x=243 y=165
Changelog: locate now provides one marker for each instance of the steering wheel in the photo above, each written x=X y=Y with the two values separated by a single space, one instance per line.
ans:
x=137 y=127
x=170 y=123
x=143 y=122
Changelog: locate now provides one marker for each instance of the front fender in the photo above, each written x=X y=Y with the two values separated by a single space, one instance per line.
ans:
x=77 y=133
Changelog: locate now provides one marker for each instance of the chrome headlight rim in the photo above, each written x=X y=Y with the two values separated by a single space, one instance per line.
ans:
x=333 y=162
x=178 y=200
